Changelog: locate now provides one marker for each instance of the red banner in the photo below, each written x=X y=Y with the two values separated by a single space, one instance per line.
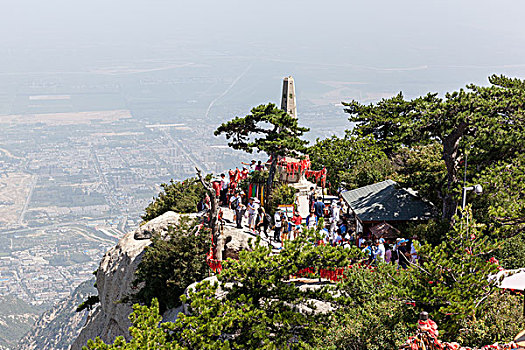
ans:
x=318 y=174
x=215 y=265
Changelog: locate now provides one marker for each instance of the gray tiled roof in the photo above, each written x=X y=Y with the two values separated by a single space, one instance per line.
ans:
x=386 y=201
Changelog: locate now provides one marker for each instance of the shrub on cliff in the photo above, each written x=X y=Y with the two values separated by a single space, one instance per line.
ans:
x=172 y=263
x=181 y=197
x=501 y=320
x=261 y=309
x=374 y=325
x=145 y=332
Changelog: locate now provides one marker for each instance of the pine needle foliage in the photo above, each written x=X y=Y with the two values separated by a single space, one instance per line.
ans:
x=181 y=197
x=261 y=307
x=266 y=129
x=487 y=122
x=146 y=332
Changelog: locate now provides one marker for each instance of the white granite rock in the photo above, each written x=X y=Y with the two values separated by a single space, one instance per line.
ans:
x=117 y=271
x=115 y=276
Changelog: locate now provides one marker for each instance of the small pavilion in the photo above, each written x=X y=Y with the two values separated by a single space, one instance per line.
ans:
x=386 y=202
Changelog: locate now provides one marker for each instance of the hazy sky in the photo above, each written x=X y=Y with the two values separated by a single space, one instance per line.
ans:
x=488 y=36
x=491 y=29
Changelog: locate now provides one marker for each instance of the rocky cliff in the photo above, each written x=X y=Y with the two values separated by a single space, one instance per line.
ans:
x=117 y=272
x=114 y=282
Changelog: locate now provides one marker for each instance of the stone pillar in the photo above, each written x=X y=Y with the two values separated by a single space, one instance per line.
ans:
x=288 y=98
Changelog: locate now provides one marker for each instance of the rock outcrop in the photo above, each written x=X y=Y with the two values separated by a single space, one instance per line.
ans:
x=114 y=282
x=232 y=241
x=116 y=273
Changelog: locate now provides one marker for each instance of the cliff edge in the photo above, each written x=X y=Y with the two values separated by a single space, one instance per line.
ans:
x=117 y=269
x=115 y=276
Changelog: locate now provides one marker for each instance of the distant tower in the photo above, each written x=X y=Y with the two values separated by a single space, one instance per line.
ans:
x=288 y=99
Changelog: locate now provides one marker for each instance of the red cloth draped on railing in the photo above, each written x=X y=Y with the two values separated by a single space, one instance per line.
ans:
x=215 y=265
x=299 y=167
x=304 y=272
x=217 y=187
x=333 y=275
x=318 y=174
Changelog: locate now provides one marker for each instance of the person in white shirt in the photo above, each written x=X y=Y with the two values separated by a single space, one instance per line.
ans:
x=278 y=223
x=334 y=219
x=361 y=242
x=311 y=220
x=252 y=209
x=380 y=250
x=251 y=165
x=413 y=251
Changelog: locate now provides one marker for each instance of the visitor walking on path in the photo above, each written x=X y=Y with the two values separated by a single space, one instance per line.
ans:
x=278 y=226
x=263 y=221
x=284 y=227
x=413 y=252
x=235 y=200
x=380 y=250
x=311 y=198
x=319 y=208
x=403 y=254
x=224 y=190
x=239 y=208
x=311 y=220
x=251 y=208
x=334 y=219
x=297 y=220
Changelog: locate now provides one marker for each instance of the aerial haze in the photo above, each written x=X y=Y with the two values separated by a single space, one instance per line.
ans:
x=102 y=101
x=412 y=46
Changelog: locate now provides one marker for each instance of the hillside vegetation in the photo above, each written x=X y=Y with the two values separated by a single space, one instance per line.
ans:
x=435 y=145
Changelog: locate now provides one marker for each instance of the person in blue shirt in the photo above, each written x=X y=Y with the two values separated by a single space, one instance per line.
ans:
x=338 y=240
x=368 y=251
x=319 y=208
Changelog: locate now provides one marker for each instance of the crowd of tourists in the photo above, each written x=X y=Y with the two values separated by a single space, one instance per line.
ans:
x=329 y=218
x=339 y=230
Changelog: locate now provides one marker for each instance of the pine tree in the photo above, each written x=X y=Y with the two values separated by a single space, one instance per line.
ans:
x=266 y=129
x=485 y=122
x=172 y=263
x=145 y=332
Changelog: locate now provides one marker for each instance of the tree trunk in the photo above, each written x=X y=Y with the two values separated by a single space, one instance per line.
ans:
x=214 y=210
x=269 y=181
x=451 y=158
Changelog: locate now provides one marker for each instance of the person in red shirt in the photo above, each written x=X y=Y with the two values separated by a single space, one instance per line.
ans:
x=244 y=173
x=233 y=177
x=297 y=221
